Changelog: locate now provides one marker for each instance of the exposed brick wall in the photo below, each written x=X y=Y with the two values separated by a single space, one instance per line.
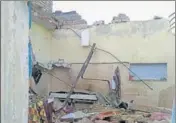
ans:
x=45 y=5
x=71 y=19
x=120 y=18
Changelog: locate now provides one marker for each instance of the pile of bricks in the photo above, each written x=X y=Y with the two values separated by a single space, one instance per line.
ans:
x=97 y=23
x=120 y=18
x=71 y=19
x=44 y=5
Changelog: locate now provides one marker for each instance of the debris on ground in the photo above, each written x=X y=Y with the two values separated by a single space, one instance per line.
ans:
x=37 y=110
x=97 y=112
x=105 y=115
x=159 y=116
x=85 y=120
x=103 y=110
x=75 y=116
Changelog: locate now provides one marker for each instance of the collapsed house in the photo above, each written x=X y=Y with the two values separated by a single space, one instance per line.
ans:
x=130 y=42
x=128 y=45
x=62 y=53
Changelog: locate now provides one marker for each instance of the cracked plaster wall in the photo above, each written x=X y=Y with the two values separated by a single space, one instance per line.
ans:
x=134 y=42
x=14 y=62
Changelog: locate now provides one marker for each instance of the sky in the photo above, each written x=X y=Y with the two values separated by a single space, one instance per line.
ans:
x=93 y=11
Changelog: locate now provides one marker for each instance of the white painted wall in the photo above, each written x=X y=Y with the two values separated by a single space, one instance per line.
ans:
x=14 y=62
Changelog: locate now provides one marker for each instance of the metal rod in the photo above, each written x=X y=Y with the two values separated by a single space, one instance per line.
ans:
x=171 y=14
x=126 y=67
x=80 y=74
x=117 y=60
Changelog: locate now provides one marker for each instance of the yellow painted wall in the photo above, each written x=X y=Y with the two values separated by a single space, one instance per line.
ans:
x=41 y=40
x=133 y=42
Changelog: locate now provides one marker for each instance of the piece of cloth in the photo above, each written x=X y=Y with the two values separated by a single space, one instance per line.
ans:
x=36 y=74
x=37 y=112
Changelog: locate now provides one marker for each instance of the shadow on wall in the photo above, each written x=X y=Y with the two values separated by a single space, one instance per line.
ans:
x=166 y=97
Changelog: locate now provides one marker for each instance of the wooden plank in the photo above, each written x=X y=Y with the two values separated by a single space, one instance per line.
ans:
x=75 y=96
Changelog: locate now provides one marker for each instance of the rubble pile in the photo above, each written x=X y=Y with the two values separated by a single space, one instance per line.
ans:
x=99 y=112
x=97 y=23
x=110 y=115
